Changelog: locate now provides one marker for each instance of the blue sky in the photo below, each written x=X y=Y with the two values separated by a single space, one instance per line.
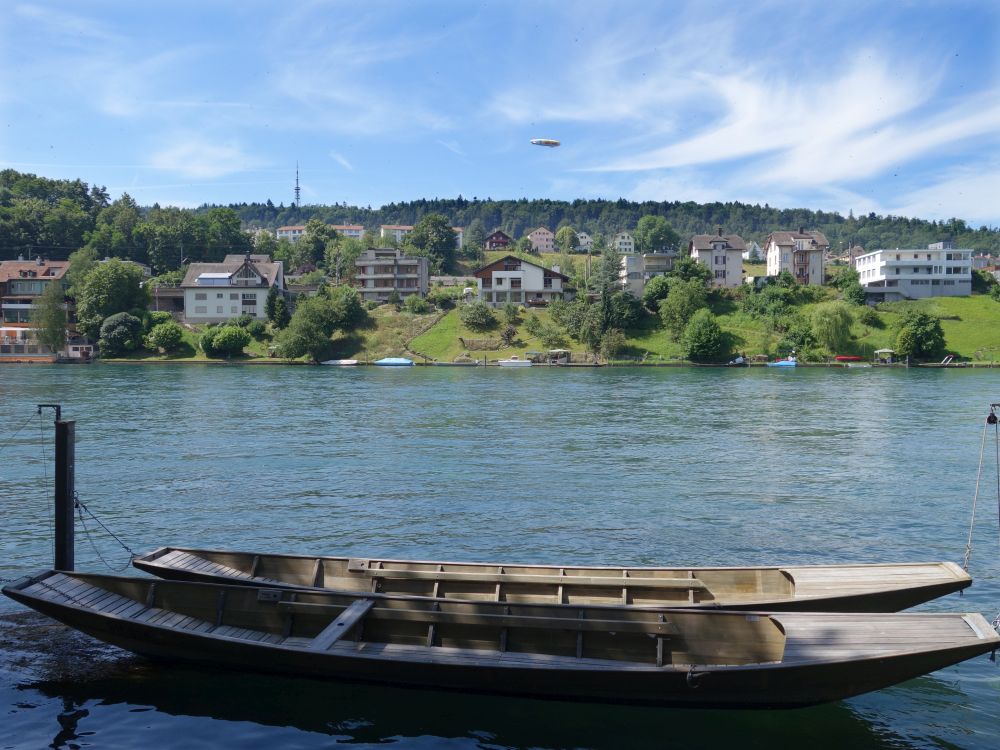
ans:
x=891 y=107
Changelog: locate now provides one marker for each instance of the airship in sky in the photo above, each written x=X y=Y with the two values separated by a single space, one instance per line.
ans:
x=551 y=143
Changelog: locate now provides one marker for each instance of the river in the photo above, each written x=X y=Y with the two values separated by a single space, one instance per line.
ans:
x=605 y=466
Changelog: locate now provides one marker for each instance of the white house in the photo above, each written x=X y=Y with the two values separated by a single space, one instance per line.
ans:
x=722 y=254
x=395 y=231
x=586 y=242
x=753 y=253
x=939 y=271
x=800 y=253
x=623 y=242
x=215 y=292
x=355 y=231
x=511 y=279
x=290 y=233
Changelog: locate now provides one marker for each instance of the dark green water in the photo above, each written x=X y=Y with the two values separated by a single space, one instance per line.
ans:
x=638 y=467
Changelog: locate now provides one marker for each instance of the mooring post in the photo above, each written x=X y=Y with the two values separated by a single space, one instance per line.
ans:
x=65 y=492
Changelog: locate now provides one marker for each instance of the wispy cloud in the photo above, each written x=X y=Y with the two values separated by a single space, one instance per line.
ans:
x=452 y=146
x=200 y=159
x=966 y=192
x=341 y=161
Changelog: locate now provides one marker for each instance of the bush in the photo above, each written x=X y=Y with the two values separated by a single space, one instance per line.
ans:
x=165 y=336
x=853 y=293
x=511 y=313
x=532 y=323
x=551 y=336
x=868 y=317
x=703 y=338
x=120 y=333
x=831 y=325
x=508 y=335
x=685 y=298
x=257 y=329
x=154 y=319
x=612 y=343
x=656 y=290
x=241 y=321
x=478 y=316
x=417 y=305
x=227 y=342
x=919 y=335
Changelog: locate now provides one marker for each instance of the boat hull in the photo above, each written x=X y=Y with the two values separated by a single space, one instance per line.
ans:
x=823 y=657
x=833 y=588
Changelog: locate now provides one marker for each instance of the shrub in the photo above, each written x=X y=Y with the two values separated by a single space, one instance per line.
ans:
x=685 y=298
x=120 y=333
x=257 y=329
x=532 y=323
x=478 y=316
x=229 y=341
x=919 y=335
x=831 y=325
x=868 y=317
x=703 y=338
x=241 y=321
x=511 y=313
x=166 y=336
x=207 y=341
x=156 y=318
x=508 y=335
x=551 y=336
x=853 y=293
x=417 y=305
x=612 y=343
x=656 y=290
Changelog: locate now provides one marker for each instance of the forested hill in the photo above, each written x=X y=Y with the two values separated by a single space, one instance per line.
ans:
x=752 y=222
x=56 y=217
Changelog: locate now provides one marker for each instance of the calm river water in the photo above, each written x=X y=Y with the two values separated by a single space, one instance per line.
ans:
x=632 y=466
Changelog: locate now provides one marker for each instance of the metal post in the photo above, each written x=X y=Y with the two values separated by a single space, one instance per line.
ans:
x=65 y=494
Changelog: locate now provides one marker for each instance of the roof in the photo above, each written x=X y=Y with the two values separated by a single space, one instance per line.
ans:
x=294 y=227
x=499 y=261
x=267 y=269
x=47 y=269
x=396 y=226
x=354 y=227
x=540 y=229
x=704 y=241
x=788 y=238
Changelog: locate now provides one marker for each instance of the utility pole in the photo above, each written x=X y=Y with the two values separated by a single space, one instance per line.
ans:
x=65 y=488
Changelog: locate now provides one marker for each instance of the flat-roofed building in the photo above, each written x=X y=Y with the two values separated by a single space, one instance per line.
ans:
x=940 y=270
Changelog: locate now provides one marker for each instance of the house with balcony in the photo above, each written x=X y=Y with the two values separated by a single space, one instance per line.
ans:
x=638 y=268
x=542 y=240
x=22 y=283
x=722 y=254
x=586 y=242
x=498 y=240
x=239 y=285
x=800 y=253
x=941 y=270
x=380 y=271
x=511 y=279
x=354 y=231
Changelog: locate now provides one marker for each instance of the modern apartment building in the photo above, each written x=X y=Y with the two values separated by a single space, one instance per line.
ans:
x=384 y=270
x=542 y=240
x=939 y=271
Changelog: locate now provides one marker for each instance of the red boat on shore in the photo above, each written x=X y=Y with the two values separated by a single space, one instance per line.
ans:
x=847 y=358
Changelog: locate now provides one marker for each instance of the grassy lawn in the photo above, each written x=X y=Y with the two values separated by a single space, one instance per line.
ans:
x=442 y=341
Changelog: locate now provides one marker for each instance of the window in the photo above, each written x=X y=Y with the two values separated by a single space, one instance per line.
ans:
x=218 y=295
x=547 y=282
x=720 y=274
x=233 y=295
x=219 y=309
x=232 y=310
x=249 y=300
x=720 y=260
x=515 y=283
x=199 y=296
x=499 y=281
x=200 y=310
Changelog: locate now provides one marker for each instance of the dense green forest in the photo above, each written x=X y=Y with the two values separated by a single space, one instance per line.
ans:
x=57 y=217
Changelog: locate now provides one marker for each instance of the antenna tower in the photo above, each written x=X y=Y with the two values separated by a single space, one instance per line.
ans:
x=298 y=192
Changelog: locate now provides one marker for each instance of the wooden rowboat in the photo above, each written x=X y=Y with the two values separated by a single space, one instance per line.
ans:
x=857 y=588
x=622 y=654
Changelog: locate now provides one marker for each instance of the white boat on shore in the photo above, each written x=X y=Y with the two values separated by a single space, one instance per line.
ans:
x=340 y=362
x=515 y=361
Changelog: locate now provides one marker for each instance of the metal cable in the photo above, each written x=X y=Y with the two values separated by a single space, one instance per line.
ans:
x=10 y=440
x=131 y=555
x=975 y=500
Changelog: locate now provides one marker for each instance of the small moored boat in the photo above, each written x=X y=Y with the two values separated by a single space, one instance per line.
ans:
x=789 y=362
x=514 y=361
x=340 y=362
x=394 y=362
x=620 y=654
x=873 y=588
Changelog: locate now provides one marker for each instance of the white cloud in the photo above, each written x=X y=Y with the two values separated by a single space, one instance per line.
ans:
x=342 y=161
x=969 y=193
x=452 y=146
x=200 y=159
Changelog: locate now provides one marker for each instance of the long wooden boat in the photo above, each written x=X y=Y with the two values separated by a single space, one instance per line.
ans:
x=831 y=588
x=623 y=654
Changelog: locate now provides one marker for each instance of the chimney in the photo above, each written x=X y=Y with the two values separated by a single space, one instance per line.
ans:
x=20 y=257
x=802 y=230
x=39 y=260
x=720 y=231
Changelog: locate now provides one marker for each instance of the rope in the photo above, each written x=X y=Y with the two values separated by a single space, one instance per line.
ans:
x=10 y=440
x=975 y=500
x=81 y=508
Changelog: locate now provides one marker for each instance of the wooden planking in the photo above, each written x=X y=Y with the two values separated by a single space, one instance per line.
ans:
x=342 y=624
x=558 y=580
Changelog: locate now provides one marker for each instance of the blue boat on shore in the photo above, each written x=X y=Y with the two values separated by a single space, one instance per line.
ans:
x=790 y=362
x=394 y=362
